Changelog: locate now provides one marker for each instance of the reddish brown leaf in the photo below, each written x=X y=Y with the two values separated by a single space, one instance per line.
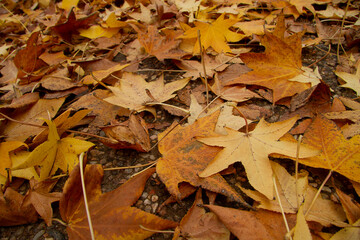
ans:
x=111 y=213
x=24 y=100
x=13 y=211
x=40 y=197
x=350 y=206
x=70 y=26
x=184 y=158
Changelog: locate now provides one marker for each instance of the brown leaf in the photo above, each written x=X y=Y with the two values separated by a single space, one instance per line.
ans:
x=24 y=100
x=280 y=62
x=251 y=225
x=132 y=134
x=13 y=211
x=40 y=197
x=70 y=26
x=350 y=206
x=111 y=213
x=199 y=224
x=184 y=158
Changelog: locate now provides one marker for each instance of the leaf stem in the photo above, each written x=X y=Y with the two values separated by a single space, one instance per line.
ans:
x=243 y=116
x=59 y=221
x=81 y=160
x=128 y=167
x=203 y=66
x=154 y=230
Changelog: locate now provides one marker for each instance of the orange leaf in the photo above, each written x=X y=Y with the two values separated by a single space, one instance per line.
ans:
x=111 y=213
x=338 y=153
x=184 y=158
x=280 y=62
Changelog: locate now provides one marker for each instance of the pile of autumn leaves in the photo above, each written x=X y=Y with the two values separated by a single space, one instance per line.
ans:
x=193 y=154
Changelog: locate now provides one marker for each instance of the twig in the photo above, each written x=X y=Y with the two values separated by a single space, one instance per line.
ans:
x=59 y=221
x=153 y=164
x=321 y=57
x=128 y=167
x=159 y=70
x=81 y=160
x=22 y=24
x=204 y=68
x=282 y=210
x=1 y=63
x=339 y=39
x=154 y=230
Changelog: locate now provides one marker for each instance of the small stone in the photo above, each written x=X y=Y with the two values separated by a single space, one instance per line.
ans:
x=152 y=157
x=154 y=175
x=39 y=234
x=325 y=196
x=147 y=202
x=154 y=207
x=326 y=189
x=128 y=170
x=19 y=231
x=144 y=195
x=153 y=137
x=147 y=208
x=102 y=134
x=154 y=198
x=103 y=161
x=313 y=185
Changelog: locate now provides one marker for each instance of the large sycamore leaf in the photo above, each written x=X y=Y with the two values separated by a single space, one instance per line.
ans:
x=135 y=93
x=184 y=158
x=214 y=34
x=352 y=80
x=252 y=150
x=338 y=154
x=111 y=213
x=55 y=153
x=280 y=62
x=324 y=211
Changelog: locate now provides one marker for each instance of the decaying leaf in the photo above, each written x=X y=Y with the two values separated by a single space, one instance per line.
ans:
x=135 y=93
x=111 y=212
x=55 y=153
x=252 y=150
x=183 y=158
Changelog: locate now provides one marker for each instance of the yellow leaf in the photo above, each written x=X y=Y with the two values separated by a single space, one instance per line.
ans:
x=96 y=32
x=68 y=4
x=5 y=149
x=352 y=80
x=252 y=150
x=112 y=22
x=213 y=34
x=55 y=153
x=348 y=233
x=302 y=231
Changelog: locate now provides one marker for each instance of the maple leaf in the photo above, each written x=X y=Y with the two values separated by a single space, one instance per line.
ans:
x=292 y=191
x=349 y=233
x=33 y=115
x=55 y=153
x=252 y=150
x=135 y=93
x=280 y=62
x=199 y=224
x=66 y=28
x=162 y=46
x=183 y=157
x=253 y=225
x=301 y=4
x=352 y=80
x=213 y=34
x=338 y=154
x=40 y=197
x=13 y=211
x=111 y=213
x=5 y=149
x=132 y=134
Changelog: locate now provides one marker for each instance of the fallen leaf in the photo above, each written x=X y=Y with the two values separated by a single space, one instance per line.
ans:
x=301 y=231
x=24 y=100
x=97 y=31
x=101 y=75
x=162 y=46
x=132 y=134
x=183 y=157
x=199 y=224
x=350 y=206
x=252 y=150
x=135 y=93
x=324 y=211
x=13 y=211
x=280 y=62
x=213 y=35
x=69 y=26
x=352 y=80
x=5 y=149
x=40 y=197
x=55 y=153
x=338 y=154
x=253 y=225
x=68 y=4
x=34 y=115
x=111 y=213
x=348 y=233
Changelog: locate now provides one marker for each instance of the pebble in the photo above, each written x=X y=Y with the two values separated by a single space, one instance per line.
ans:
x=144 y=195
x=313 y=185
x=19 y=231
x=153 y=137
x=154 y=207
x=154 y=175
x=326 y=189
x=55 y=234
x=103 y=161
x=39 y=234
x=147 y=202
x=152 y=157
x=147 y=208
x=128 y=170
x=154 y=198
